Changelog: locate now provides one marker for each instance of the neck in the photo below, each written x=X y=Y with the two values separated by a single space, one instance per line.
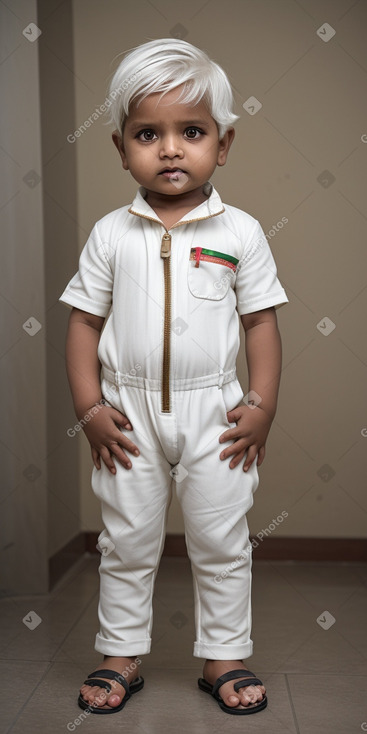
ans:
x=166 y=202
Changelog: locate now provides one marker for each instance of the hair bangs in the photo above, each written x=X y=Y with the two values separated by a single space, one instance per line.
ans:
x=164 y=65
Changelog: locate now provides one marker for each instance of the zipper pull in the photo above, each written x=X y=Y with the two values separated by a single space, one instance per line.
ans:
x=197 y=256
x=166 y=245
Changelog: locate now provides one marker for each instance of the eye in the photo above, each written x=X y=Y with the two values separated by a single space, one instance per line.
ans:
x=146 y=135
x=193 y=132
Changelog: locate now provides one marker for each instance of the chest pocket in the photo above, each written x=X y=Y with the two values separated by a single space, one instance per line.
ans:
x=210 y=273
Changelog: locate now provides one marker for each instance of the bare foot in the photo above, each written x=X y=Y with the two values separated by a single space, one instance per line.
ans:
x=97 y=696
x=213 y=669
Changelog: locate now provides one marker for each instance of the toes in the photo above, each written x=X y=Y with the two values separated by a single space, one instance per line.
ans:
x=232 y=700
x=114 y=700
x=89 y=693
x=100 y=697
x=251 y=694
x=245 y=697
x=94 y=695
x=248 y=696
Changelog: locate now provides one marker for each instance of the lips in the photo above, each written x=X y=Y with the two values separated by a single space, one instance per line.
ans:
x=172 y=170
x=172 y=174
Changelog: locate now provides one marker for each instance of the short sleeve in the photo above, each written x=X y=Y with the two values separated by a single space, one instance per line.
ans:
x=257 y=285
x=91 y=287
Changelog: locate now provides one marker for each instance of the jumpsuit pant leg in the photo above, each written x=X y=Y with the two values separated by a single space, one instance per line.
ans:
x=134 y=508
x=214 y=501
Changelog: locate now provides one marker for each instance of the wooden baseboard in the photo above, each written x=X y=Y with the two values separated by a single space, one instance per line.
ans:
x=291 y=549
x=269 y=549
x=65 y=558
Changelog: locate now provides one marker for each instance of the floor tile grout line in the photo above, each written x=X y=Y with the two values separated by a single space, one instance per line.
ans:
x=25 y=704
x=189 y=671
x=51 y=663
x=72 y=626
x=292 y=704
x=52 y=595
x=337 y=631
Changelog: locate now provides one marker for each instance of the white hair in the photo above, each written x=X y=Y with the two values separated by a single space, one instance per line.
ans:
x=163 y=65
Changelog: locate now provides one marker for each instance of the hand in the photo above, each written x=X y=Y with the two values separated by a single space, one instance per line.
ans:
x=106 y=440
x=253 y=426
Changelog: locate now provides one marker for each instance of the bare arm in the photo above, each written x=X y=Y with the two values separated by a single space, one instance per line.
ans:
x=264 y=361
x=82 y=363
x=264 y=357
x=100 y=425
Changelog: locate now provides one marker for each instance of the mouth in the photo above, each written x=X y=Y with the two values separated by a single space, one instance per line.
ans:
x=173 y=173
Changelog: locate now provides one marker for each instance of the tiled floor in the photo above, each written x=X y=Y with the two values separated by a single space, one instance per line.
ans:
x=316 y=678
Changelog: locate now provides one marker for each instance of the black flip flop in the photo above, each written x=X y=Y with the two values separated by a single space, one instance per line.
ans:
x=93 y=680
x=249 y=681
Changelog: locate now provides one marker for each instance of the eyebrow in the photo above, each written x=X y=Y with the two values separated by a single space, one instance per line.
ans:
x=187 y=123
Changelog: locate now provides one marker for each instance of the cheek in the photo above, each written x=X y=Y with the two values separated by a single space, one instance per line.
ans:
x=140 y=158
x=208 y=158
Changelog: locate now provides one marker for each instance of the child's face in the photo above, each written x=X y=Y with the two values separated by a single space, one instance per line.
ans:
x=166 y=135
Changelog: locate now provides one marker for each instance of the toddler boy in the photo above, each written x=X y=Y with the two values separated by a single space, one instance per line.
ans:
x=151 y=358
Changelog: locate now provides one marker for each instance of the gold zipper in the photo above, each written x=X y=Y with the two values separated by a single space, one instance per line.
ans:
x=166 y=255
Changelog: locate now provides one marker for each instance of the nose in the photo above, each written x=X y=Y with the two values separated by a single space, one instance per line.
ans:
x=171 y=146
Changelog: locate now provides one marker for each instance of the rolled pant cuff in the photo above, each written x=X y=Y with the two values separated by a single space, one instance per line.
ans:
x=122 y=649
x=223 y=652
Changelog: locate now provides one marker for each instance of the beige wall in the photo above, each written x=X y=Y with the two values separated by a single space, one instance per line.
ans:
x=60 y=220
x=40 y=498
x=23 y=433
x=312 y=118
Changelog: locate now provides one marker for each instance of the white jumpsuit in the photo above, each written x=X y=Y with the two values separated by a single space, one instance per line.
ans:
x=168 y=353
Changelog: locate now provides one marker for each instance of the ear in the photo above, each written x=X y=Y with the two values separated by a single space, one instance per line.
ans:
x=117 y=139
x=224 y=146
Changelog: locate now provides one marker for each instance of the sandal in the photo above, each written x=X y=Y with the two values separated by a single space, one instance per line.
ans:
x=249 y=681
x=135 y=686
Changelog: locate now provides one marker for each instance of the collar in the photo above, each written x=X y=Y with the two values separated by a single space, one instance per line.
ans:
x=208 y=208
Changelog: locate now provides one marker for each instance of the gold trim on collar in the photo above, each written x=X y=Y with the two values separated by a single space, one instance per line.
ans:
x=178 y=224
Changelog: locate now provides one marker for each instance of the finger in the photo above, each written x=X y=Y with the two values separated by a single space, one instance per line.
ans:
x=107 y=459
x=227 y=435
x=237 y=459
x=239 y=445
x=122 y=440
x=251 y=455
x=234 y=415
x=121 y=419
x=96 y=458
x=120 y=455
